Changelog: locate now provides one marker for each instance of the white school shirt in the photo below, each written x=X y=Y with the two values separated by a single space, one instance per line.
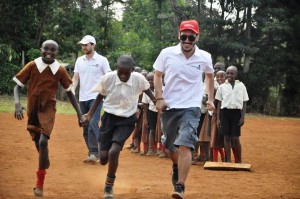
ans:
x=121 y=97
x=183 y=77
x=90 y=71
x=232 y=98
x=146 y=100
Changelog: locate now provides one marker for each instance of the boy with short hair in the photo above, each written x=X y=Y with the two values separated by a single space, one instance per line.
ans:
x=122 y=89
x=233 y=97
x=43 y=75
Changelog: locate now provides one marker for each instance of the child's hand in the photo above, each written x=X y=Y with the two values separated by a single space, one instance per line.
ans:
x=85 y=119
x=204 y=99
x=241 y=122
x=19 y=111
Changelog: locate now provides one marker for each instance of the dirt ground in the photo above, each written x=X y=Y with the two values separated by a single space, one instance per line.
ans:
x=270 y=145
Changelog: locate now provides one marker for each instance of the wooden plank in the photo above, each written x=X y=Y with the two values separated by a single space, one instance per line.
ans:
x=227 y=166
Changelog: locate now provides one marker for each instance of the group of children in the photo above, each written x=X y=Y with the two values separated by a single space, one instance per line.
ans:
x=146 y=137
x=214 y=138
x=219 y=131
x=124 y=91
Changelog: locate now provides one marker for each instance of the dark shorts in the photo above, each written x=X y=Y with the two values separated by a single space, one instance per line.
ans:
x=179 y=127
x=229 y=122
x=152 y=119
x=115 y=129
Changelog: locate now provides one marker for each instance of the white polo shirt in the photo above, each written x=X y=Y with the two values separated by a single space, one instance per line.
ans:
x=121 y=98
x=90 y=71
x=183 y=77
x=232 y=98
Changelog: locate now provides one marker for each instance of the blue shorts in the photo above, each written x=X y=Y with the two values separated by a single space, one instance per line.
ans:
x=115 y=129
x=179 y=127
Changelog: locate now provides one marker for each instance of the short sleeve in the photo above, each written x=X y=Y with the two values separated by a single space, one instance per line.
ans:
x=23 y=76
x=219 y=93
x=245 y=94
x=65 y=79
x=76 y=70
x=145 y=99
x=100 y=86
x=144 y=84
x=106 y=67
x=159 y=62
x=208 y=67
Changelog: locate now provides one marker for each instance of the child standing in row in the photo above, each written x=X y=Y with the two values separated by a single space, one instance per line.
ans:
x=232 y=96
x=151 y=117
x=43 y=75
x=217 y=140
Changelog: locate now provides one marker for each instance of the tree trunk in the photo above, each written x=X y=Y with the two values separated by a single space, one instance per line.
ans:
x=248 y=38
x=177 y=11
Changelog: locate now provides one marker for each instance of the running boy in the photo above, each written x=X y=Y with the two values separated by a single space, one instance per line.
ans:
x=122 y=89
x=232 y=96
x=43 y=75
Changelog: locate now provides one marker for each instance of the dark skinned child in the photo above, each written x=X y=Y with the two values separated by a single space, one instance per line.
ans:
x=121 y=89
x=43 y=75
x=232 y=96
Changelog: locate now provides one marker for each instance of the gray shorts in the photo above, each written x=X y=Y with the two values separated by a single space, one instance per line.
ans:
x=179 y=127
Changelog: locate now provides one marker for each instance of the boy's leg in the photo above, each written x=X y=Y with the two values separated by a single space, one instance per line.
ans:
x=43 y=164
x=151 y=143
x=237 y=149
x=103 y=157
x=43 y=152
x=113 y=157
x=227 y=147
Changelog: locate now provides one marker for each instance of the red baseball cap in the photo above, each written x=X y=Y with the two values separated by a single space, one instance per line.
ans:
x=189 y=25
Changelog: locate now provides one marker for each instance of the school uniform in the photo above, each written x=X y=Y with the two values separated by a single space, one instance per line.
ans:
x=150 y=117
x=41 y=93
x=232 y=99
x=120 y=106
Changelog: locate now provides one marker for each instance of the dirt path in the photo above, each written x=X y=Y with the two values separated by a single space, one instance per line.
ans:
x=271 y=145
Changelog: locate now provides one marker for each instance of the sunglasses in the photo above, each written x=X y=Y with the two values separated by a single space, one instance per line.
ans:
x=190 y=37
x=46 y=48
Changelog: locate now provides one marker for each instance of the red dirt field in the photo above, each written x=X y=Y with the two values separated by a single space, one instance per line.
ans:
x=270 y=145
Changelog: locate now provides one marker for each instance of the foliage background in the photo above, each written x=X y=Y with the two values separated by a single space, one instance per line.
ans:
x=260 y=37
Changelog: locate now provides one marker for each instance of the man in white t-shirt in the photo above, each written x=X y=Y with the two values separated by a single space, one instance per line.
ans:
x=183 y=66
x=88 y=70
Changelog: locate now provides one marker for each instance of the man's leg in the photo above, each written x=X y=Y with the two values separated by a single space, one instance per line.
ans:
x=184 y=163
x=93 y=130
x=84 y=109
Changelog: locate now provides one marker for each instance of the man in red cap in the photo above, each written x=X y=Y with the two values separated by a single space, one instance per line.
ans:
x=182 y=66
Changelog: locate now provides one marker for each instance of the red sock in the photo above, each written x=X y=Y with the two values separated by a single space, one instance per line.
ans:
x=222 y=153
x=145 y=147
x=40 y=174
x=215 y=154
x=155 y=147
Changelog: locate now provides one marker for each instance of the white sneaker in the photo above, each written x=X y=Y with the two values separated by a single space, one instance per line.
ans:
x=91 y=159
